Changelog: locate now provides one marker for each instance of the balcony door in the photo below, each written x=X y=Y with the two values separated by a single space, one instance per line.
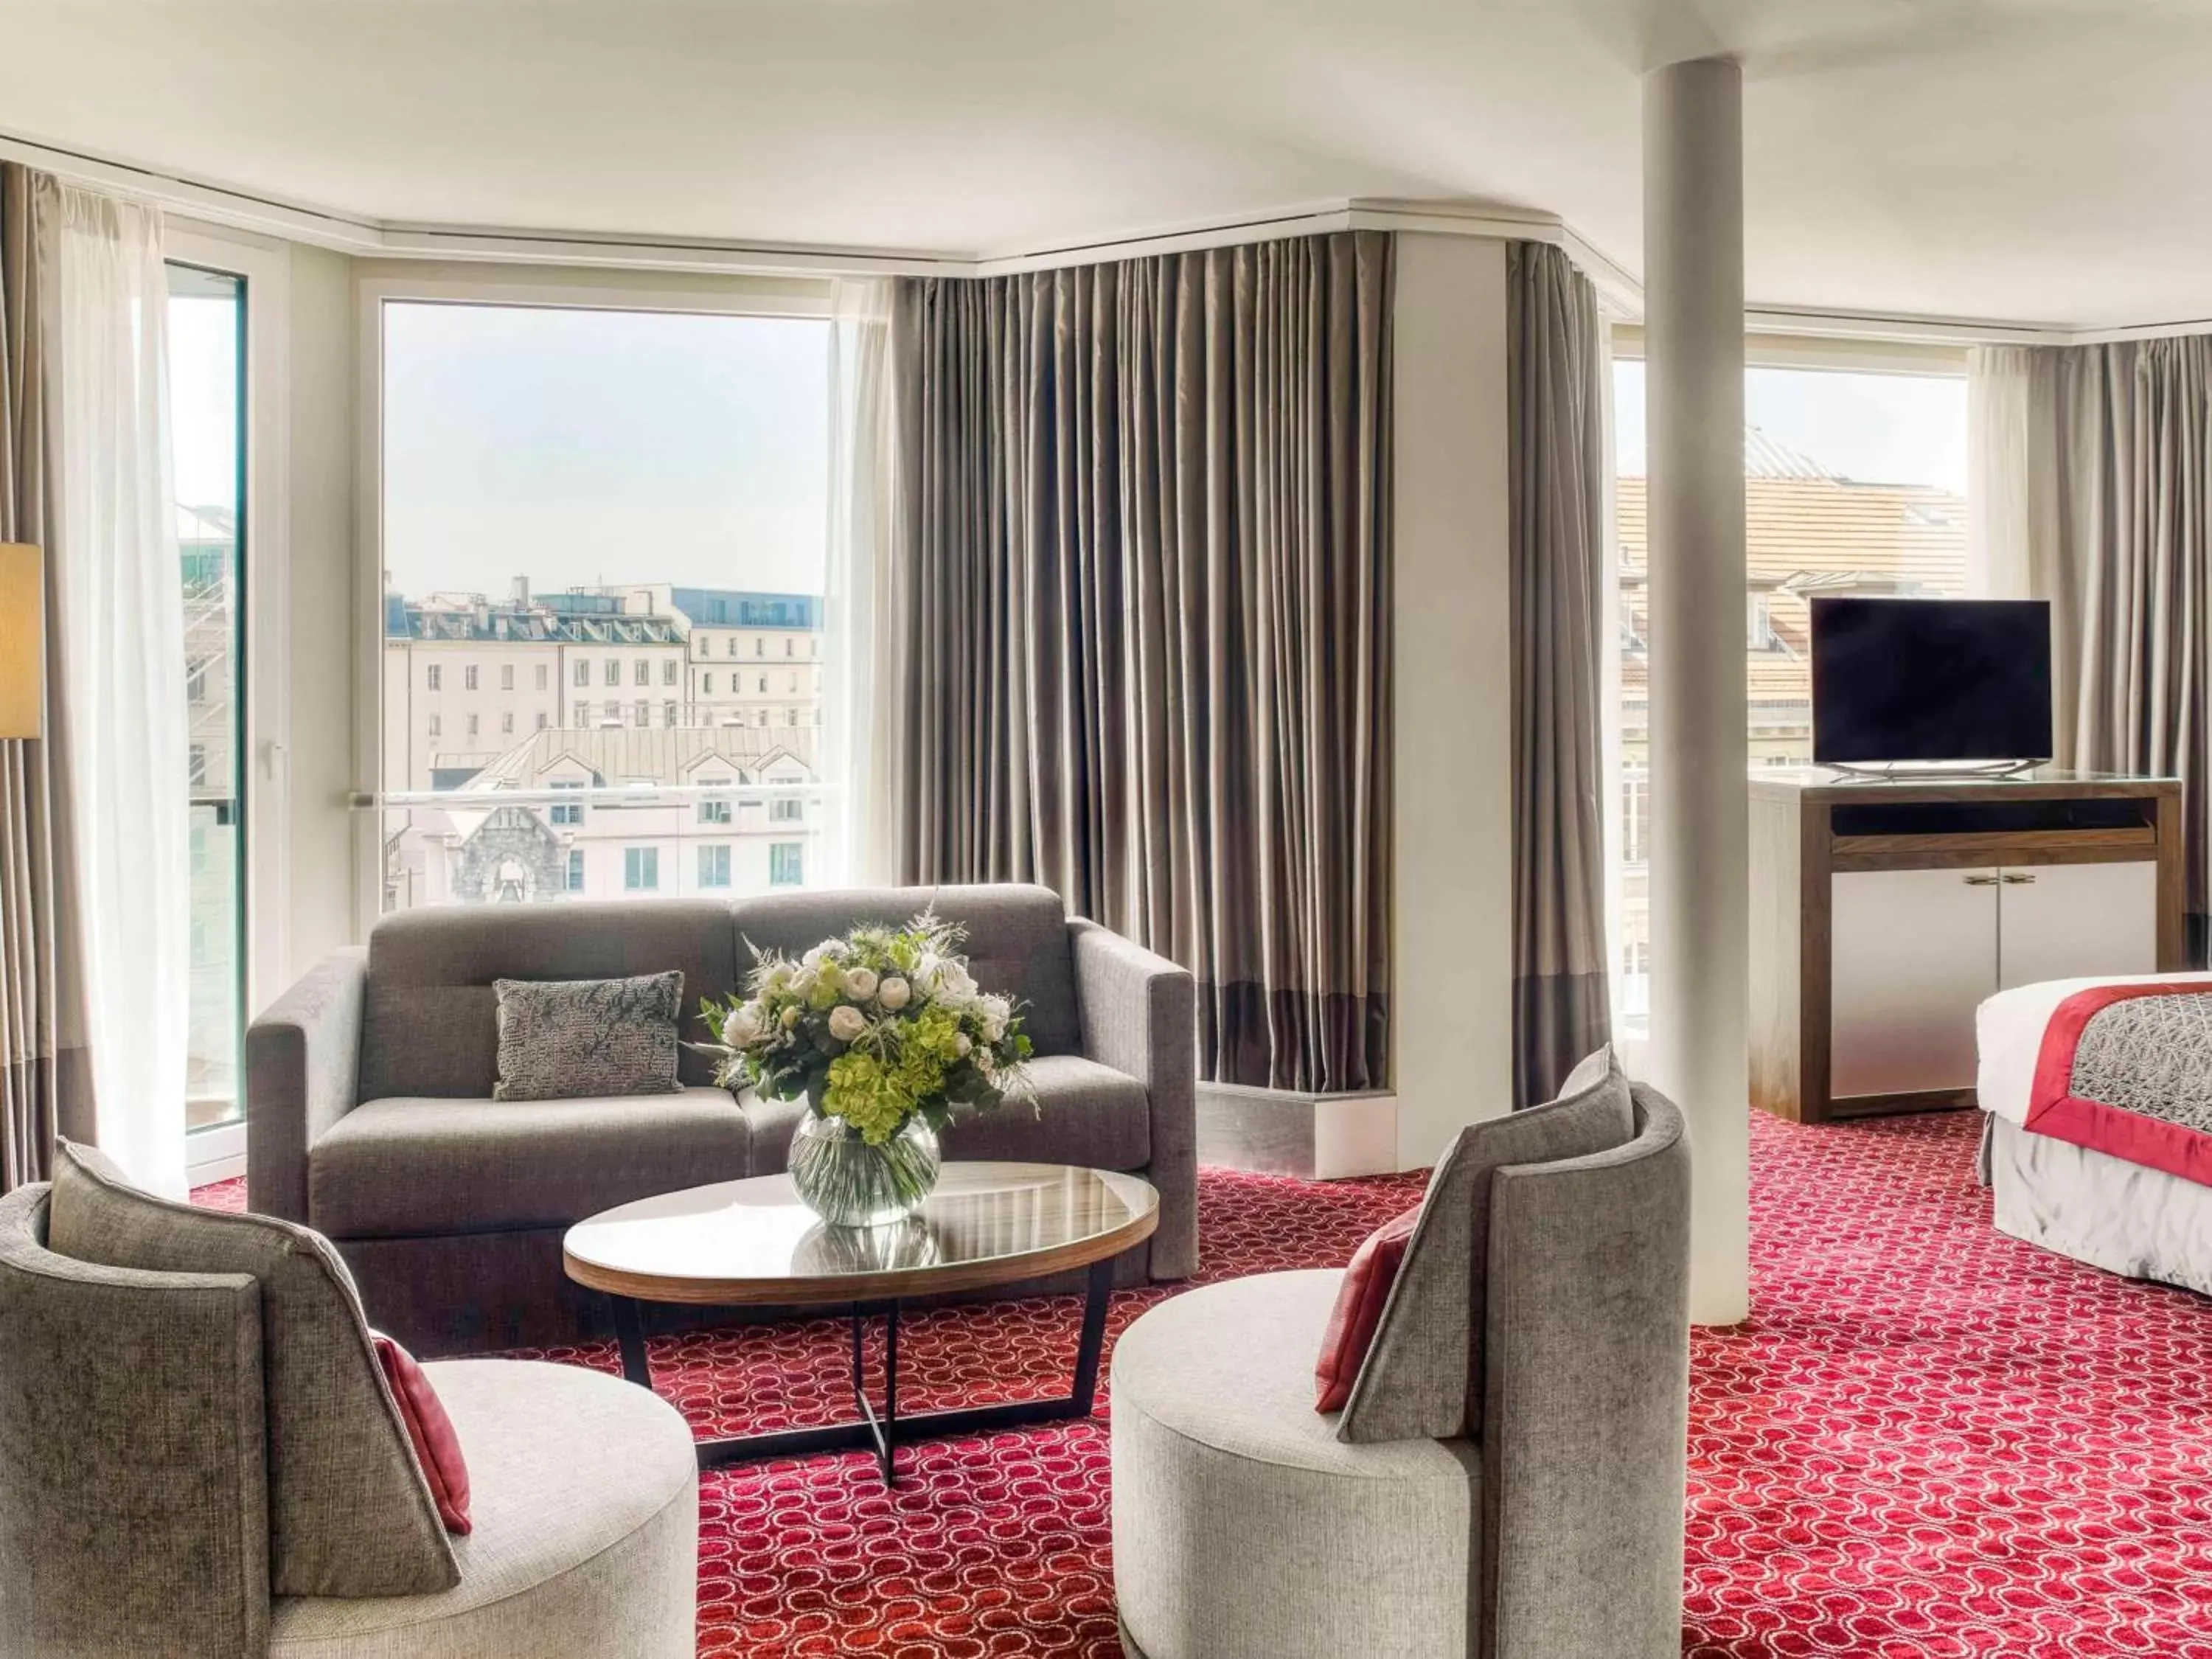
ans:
x=207 y=436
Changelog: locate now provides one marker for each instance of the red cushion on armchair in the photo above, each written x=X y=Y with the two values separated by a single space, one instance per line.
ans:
x=1358 y=1310
x=437 y=1448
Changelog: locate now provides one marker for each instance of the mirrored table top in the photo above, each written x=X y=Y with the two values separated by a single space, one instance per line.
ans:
x=754 y=1242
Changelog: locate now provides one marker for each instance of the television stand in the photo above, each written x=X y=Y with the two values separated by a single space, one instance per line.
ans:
x=1901 y=770
x=1884 y=910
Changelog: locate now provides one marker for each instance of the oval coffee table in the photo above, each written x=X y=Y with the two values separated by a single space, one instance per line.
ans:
x=752 y=1243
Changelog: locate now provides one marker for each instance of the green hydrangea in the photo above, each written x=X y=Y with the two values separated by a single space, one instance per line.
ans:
x=877 y=1028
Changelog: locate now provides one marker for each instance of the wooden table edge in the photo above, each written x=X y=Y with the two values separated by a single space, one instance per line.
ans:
x=830 y=1289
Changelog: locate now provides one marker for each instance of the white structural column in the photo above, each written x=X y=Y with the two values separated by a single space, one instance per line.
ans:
x=1700 y=909
x=1452 y=972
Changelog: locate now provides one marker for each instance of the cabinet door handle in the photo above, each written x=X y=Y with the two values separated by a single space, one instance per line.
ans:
x=1980 y=881
x=2017 y=878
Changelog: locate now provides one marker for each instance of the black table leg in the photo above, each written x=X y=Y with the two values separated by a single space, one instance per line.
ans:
x=629 y=1338
x=880 y=1432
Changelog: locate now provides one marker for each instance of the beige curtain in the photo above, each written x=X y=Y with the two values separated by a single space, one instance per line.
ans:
x=1556 y=395
x=44 y=1072
x=2094 y=475
x=1143 y=528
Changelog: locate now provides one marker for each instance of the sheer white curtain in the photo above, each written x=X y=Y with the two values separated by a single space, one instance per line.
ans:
x=119 y=612
x=2000 y=480
x=862 y=681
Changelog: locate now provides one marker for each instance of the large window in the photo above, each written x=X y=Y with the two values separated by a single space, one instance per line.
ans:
x=207 y=367
x=1855 y=482
x=592 y=496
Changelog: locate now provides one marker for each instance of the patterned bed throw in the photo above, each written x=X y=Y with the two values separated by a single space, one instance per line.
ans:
x=2127 y=1070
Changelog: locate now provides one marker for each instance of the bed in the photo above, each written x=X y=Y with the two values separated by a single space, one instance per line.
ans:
x=2116 y=1170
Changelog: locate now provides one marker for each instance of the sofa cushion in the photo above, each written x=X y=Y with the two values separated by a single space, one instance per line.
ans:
x=409 y=1166
x=349 y=1513
x=1243 y=1528
x=1087 y=1113
x=1423 y=1376
x=1017 y=941
x=563 y=1039
x=586 y=1499
x=430 y=1020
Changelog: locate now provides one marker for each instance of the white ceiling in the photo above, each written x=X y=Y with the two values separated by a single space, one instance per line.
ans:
x=2039 y=160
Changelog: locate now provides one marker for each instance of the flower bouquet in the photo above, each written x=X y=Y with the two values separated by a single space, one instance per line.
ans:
x=882 y=1033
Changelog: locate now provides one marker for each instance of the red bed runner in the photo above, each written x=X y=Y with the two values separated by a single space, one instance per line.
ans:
x=2055 y=1109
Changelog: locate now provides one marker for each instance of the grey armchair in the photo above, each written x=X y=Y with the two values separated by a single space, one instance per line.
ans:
x=1245 y=1527
x=138 y=1515
x=369 y=1083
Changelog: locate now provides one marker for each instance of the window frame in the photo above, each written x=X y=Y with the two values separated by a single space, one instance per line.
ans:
x=265 y=689
x=795 y=296
x=1840 y=355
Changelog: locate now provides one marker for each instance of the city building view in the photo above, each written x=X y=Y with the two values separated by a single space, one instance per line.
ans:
x=1809 y=532
x=599 y=742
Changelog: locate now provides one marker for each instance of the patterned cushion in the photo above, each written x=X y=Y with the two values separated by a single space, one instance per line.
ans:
x=1423 y=1376
x=559 y=1039
x=349 y=1513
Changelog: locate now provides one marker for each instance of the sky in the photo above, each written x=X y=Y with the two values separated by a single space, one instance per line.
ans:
x=577 y=446
x=1875 y=428
x=203 y=400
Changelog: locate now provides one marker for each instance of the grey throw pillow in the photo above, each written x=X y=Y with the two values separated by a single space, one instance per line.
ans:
x=561 y=1038
x=350 y=1512
x=1422 y=1374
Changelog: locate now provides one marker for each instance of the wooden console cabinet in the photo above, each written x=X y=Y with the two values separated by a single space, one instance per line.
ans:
x=1883 y=912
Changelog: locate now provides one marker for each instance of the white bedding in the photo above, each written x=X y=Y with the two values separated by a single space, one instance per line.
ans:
x=2009 y=1035
x=2110 y=1213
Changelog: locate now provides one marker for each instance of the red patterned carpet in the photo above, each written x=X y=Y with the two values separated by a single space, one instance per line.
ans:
x=1929 y=1441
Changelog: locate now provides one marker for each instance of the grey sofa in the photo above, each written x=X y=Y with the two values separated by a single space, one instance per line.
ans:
x=1245 y=1527
x=138 y=1513
x=370 y=1115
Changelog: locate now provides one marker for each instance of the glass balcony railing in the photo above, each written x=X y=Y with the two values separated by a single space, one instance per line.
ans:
x=550 y=845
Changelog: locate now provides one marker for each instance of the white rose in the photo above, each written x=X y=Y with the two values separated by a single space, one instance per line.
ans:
x=894 y=994
x=777 y=977
x=802 y=982
x=861 y=982
x=994 y=1011
x=846 y=1022
x=962 y=1043
x=813 y=958
x=927 y=972
x=741 y=1025
x=956 y=985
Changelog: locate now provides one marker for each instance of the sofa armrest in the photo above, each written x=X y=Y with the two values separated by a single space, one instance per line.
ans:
x=1586 y=1401
x=302 y=1073
x=1139 y=1015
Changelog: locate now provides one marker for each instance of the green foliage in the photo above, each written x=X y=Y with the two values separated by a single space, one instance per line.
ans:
x=877 y=1027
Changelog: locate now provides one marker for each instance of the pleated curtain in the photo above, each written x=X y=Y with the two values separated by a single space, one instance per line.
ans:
x=1556 y=363
x=1142 y=525
x=2092 y=487
x=45 y=1069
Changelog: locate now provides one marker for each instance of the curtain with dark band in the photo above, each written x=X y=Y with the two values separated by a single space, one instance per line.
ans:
x=2092 y=489
x=1143 y=540
x=45 y=1074
x=1556 y=361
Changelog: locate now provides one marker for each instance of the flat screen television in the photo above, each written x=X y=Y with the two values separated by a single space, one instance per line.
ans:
x=1957 y=680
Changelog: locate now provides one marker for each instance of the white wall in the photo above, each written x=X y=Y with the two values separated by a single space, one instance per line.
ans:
x=1453 y=977
x=325 y=626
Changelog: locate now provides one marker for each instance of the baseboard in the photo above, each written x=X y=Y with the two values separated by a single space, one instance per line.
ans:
x=1315 y=1137
x=215 y=1154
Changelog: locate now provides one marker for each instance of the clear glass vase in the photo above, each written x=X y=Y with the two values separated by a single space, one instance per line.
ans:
x=849 y=1183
